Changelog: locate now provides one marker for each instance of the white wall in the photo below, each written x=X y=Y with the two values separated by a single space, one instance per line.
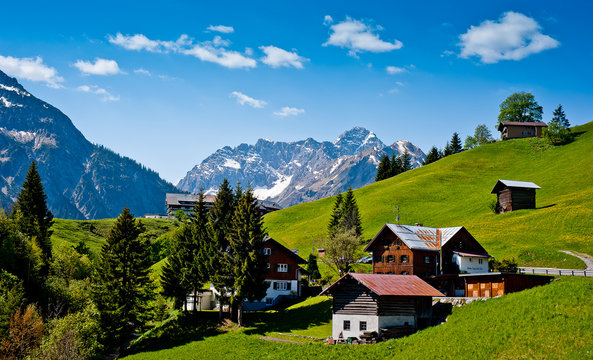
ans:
x=338 y=325
x=471 y=264
x=271 y=293
x=204 y=299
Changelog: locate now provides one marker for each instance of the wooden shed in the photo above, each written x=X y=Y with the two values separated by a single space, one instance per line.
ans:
x=514 y=195
x=379 y=303
x=490 y=284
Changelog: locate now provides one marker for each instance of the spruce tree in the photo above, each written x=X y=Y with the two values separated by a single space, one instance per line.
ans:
x=175 y=277
x=32 y=215
x=383 y=169
x=219 y=226
x=448 y=150
x=396 y=166
x=198 y=270
x=336 y=216
x=406 y=162
x=313 y=268
x=350 y=215
x=456 y=143
x=432 y=156
x=247 y=259
x=558 y=131
x=121 y=286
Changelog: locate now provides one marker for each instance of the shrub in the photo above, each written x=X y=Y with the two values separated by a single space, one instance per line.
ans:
x=24 y=335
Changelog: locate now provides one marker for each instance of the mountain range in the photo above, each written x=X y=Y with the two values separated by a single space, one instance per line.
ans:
x=82 y=180
x=294 y=172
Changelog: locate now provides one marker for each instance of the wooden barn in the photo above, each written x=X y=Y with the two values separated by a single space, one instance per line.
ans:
x=514 y=195
x=418 y=250
x=486 y=285
x=385 y=304
x=516 y=129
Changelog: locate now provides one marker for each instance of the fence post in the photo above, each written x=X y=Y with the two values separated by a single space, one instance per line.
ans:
x=559 y=272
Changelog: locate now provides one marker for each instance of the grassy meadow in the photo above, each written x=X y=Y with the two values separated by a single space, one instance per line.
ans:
x=549 y=322
x=455 y=191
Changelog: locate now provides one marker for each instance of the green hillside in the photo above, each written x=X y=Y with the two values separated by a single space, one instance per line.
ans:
x=549 y=322
x=455 y=191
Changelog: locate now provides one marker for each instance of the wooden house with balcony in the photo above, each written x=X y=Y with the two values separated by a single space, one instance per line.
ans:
x=419 y=250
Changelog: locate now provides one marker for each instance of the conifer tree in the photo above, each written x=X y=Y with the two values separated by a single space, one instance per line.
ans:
x=219 y=225
x=121 y=286
x=455 y=143
x=32 y=215
x=383 y=169
x=432 y=156
x=198 y=270
x=350 y=216
x=313 y=268
x=176 y=271
x=396 y=167
x=558 y=131
x=406 y=162
x=249 y=265
x=336 y=216
x=448 y=150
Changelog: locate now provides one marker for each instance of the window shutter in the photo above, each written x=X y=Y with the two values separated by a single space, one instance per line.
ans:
x=288 y=285
x=288 y=268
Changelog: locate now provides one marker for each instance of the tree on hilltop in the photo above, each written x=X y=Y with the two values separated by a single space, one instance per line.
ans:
x=520 y=106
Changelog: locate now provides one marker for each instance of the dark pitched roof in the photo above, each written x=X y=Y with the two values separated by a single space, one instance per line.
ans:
x=290 y=253
x=520 y=123
x=500 y=184
x=389 y=285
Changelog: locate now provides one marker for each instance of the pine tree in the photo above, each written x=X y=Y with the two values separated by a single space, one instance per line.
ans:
x=313 y=268
x=383 y=169
x=432 y=156
x=406 y=162
x=198 y=270
x=350 y=216
x=32 y=215
x=558 y=131
x=456 y=143
x=121 y=286
x=247 y=259
x=396 y=166
x=448 y=150
x=336 y=216
x=219 y=225
x=175 y=277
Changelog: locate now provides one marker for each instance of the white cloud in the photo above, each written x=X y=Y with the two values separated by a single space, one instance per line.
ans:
x=93 y=89
x=327 y=20
x=100 y=67
x=289 y=111
x=221 y=28
x=31 y=69
x=277 y=57
x=359 y=37
x=247 y=100
x=392 y=70
x=512 y=37
x=214 y=51
x=142 y=71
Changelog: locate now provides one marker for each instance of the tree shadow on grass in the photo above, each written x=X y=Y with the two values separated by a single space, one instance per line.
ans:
x=547 y=206
x=287 y=320
x=185 y=328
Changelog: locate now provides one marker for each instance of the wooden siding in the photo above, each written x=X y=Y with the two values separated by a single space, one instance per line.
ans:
x=510 y=199
x=354 y=299
x=496 y=285
x=397 y=306
x=279 y=256
x=387 y=257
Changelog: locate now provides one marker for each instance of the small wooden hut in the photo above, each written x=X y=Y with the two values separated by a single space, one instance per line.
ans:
x=379 y=303
x=514 y=195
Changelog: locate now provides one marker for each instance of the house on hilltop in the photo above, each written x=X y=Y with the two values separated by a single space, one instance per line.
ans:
x=514 y=195
x=516 y=129
x=187 y=202
x=419 y=250
x=390 y=305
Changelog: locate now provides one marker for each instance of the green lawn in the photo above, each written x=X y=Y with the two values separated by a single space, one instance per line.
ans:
x=455 y=191
x=551 y=322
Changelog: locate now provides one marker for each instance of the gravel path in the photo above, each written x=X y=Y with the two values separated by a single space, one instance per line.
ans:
x=587 y=259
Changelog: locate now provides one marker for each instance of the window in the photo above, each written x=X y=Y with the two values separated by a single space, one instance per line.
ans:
x=404 y=258
x=269 y=301
x=363 y=326
x=479 y=261
x=282 y=285
x=267 y=251
x=470 y=259
x=405 y=273
x=379 y=259
x=427 y=259
x=281 y=267
x=390 y=258
x=346 y=324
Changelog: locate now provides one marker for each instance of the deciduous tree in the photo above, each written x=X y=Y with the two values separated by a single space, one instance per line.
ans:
x=520 y=106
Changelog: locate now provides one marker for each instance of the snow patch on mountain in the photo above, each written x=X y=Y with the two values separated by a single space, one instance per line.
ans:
x=277 y=188
x=14 y=89
x=6 y=103
x=230 y=163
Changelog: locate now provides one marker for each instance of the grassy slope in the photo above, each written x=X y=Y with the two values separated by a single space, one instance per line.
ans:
x=551 y=322
x=72 y=231
x=456 y=191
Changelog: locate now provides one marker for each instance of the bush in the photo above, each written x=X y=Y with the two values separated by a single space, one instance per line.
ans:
x=494 y=206
x=24 y=335
x=12 y=297
x=504 y=265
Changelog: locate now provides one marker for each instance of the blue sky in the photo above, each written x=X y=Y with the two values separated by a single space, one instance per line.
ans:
x=168 y=83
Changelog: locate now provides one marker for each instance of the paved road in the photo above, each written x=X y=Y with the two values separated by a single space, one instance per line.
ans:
x=587 y=259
